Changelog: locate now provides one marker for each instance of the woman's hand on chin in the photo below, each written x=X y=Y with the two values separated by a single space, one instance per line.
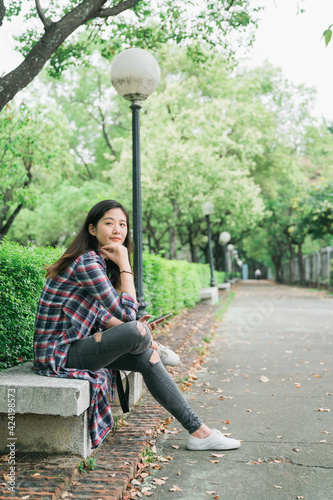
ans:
x=117 y=253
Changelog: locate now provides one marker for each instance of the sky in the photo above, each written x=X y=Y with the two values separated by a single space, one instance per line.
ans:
x=290 y=41
x=293 y=42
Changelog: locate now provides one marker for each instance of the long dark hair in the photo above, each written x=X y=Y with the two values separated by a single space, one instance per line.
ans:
x=85 y=242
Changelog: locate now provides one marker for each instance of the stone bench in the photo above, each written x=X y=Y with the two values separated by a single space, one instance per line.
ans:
x=209 y=295
x=224 y=286
x=51 y=413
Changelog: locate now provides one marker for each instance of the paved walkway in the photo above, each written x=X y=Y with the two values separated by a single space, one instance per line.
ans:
x=269 y=382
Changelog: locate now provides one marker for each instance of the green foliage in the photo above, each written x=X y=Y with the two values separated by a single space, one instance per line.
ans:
x=146 y=25
x=34 y=154
x=148 y=455
x=170 y=286
x=21 y=282
x=87 y=464
x=316 y=210
x=327 y=35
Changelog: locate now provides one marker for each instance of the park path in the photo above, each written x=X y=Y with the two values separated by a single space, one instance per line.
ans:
x=269 y=382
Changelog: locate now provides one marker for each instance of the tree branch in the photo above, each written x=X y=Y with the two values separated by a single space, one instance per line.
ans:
x=117 y=9
x=4 y=230
x=53 y=37
x=230 y=5
x=46 y=22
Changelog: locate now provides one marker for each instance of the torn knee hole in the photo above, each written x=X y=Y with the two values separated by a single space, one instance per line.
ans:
x=155 y=358
x=142 y=329
x=98 y=336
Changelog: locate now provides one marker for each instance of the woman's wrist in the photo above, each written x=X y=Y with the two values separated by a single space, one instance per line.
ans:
x=125 y=271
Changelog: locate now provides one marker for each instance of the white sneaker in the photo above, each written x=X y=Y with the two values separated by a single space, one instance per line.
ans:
x=168 y=357
x=216 y=441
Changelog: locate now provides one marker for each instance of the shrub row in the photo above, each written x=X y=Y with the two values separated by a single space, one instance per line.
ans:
x=170 y=286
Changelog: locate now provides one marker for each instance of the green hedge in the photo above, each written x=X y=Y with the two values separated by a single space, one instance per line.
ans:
x=170 y=286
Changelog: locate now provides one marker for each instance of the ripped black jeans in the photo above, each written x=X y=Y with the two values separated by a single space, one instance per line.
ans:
x=127 y=347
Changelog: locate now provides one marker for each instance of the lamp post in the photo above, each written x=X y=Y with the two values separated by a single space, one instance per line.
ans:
x=235 y=257
x=208 y=209
x=135 y=75
x=240 y=264
x=230 y=248
x=224 y=239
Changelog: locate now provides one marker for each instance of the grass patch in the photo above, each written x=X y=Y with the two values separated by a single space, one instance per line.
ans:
x=225 y=305
x=85 y=465
x=148 y=455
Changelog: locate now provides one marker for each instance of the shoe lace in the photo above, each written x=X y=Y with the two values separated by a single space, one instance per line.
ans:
x=217 y=433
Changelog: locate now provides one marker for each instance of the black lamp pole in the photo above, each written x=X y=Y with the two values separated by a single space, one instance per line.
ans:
x=226 y=263
x=212 y=281
x=137 y=212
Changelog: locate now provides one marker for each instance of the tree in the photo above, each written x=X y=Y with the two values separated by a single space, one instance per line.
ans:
x=317 y=210
x=32 y=149
x=54 y=40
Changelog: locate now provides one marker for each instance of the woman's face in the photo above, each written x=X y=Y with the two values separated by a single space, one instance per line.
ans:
x=111 y=228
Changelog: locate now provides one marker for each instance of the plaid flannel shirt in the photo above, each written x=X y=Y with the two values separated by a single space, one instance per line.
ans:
x=71 y=304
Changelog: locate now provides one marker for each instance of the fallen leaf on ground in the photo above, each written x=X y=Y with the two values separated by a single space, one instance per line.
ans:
x=147 y=493
x=278 y=487
x=175 y=488
x=159 y=481
x=264 y=379
x=4 y=458
x=175 y=446
x=227 y=422
x=25 y=497
x=210 y=492
x=164 y=459
x=36 y=474
x=296 y=449
x=7 y=478
x=323 y=409
x=217 y=455
x=214 y=461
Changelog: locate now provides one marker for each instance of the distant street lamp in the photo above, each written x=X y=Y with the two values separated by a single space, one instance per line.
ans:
x=230 y=248
x=208 y=209
x=224 y=239
x=135 y=75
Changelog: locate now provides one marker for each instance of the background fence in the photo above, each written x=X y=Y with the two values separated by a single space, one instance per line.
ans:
x=318 y=269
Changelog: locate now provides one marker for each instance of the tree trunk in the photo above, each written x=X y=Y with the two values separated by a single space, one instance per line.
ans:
x=301 y=265
x=4 y=228
x=173 y=243
x=278 y=269
x=292 y=263
x=194 y=255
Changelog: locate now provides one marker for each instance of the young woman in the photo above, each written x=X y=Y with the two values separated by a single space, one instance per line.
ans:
x=86 y=327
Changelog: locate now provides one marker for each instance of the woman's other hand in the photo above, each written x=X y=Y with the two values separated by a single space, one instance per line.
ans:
x=145 y=318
